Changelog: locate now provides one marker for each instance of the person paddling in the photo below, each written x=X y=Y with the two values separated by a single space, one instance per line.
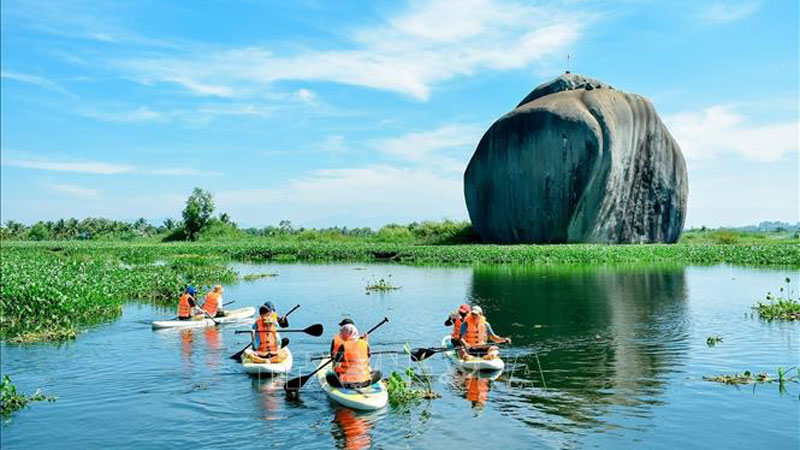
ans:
x=283 y=322
x=213 y=303
x=456 y=318
x=266 y=341
x=351 y=368
x=474 y=332
x=187 y=307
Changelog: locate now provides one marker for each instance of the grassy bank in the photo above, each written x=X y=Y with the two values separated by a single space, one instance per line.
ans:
x=50 y=290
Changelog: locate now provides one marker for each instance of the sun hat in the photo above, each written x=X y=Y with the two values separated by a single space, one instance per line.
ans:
x=476 y=310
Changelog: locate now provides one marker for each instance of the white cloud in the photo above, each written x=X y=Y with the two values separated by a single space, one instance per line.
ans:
x=729 y=11
x=720 y=129
x=76 y=191
x=142 y=114
x=306 y=96
x=371 y=196
x=36 y=81
x=91 y=167
x=447 y=147
x=429 y=44
x=94 y=167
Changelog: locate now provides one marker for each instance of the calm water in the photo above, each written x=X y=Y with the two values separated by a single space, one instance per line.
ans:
x=622 y=351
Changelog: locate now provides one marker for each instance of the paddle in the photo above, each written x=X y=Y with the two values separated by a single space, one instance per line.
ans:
x=238 y=355
x=295 y=384
x=421 y=354
x=382 y=352
x=315 y=330
x=282 y=321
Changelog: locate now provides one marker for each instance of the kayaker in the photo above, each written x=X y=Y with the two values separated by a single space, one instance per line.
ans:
x=187 y=307
x=351 y=361
x=265 y=338
x=456 y=318
x=213 y=303
x=474 y=332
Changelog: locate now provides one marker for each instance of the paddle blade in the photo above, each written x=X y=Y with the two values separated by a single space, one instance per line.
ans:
x=315 y=330
x=238 y=355
x=295 y=384
x=421 y=354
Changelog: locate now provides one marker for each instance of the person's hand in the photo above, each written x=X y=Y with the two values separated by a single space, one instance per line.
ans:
x=508 y=340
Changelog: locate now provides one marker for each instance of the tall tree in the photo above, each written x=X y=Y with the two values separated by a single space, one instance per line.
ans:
x=197 y=213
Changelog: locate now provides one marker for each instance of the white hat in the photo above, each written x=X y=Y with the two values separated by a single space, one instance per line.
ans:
x=476 y=310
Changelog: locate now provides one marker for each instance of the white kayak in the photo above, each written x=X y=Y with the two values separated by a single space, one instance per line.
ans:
x=473 y=364
x=368 y=398
x=231 y=315
x=255 y=368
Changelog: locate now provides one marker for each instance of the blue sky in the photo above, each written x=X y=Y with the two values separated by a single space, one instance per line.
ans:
x=364 y=113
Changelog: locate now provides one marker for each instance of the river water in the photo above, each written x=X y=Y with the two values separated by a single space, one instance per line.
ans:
x=622 y=353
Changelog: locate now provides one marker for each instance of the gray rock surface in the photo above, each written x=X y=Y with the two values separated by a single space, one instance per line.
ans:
x=577 y=161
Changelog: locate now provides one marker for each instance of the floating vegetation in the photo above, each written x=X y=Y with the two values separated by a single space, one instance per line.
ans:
x=47 y=295
x=781 y=306
x=258 y=276
x=747 y=377
x=713 y=340
x=381 y=286
x=11 y=400
x=414 y=387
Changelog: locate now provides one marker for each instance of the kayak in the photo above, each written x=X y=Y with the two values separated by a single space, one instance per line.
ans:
x=233 y=315
x=368 y=398
x=255 y=368
x=472 y=365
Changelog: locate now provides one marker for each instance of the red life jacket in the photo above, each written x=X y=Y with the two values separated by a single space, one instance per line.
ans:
x=212 y=303
x=457 y=327
x=184 y=308
x=476 y=330
x=354 y=367
x=267 y=341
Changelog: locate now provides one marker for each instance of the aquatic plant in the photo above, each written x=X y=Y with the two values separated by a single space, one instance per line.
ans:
x=747 y=377
x=781 y=307
x=381 y=286
x=258 y=276
x=412 y=388
x=713 y=340
x=11 y=400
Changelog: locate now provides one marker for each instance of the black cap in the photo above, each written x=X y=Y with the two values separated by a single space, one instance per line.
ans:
x=346 y=322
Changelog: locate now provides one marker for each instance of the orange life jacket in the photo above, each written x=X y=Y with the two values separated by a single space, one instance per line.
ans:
x=477 y=390
x=354 y=367
x=212 y=303
x=184 y=308
x=337 y=342
x=457 y=327
x=267 y=341
x=476 y=330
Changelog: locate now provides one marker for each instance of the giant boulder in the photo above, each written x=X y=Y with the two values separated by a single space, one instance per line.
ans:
x=577 y=161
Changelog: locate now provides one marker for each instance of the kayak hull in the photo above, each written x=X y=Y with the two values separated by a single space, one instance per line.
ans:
x=232 y=316
x=476 y=365
x=365 y=399
x=254 y=368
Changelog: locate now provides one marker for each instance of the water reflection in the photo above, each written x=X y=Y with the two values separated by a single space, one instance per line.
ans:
x=353 y=431
x=604 y=336
x=270 y=393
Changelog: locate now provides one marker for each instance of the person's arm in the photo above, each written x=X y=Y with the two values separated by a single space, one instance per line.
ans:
x=494 y=337
x=463 y=332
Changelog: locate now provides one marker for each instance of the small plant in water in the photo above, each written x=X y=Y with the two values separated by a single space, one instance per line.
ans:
x=782 y=307
x=713 y=340
x=11 y=400
x=381 y=286
x=258 y=276
x=411 y=388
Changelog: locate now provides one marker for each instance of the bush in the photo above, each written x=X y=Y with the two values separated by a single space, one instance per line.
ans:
x=725 y=237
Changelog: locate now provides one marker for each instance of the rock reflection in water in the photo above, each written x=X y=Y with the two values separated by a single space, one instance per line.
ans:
x=604 y=337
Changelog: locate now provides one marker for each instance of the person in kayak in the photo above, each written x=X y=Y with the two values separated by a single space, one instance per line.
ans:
x=351 y=368
x=187 y=307
x=337 y=339
x=474 y=332
x=213 y=303
x=266 y=341
x=456 y=318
